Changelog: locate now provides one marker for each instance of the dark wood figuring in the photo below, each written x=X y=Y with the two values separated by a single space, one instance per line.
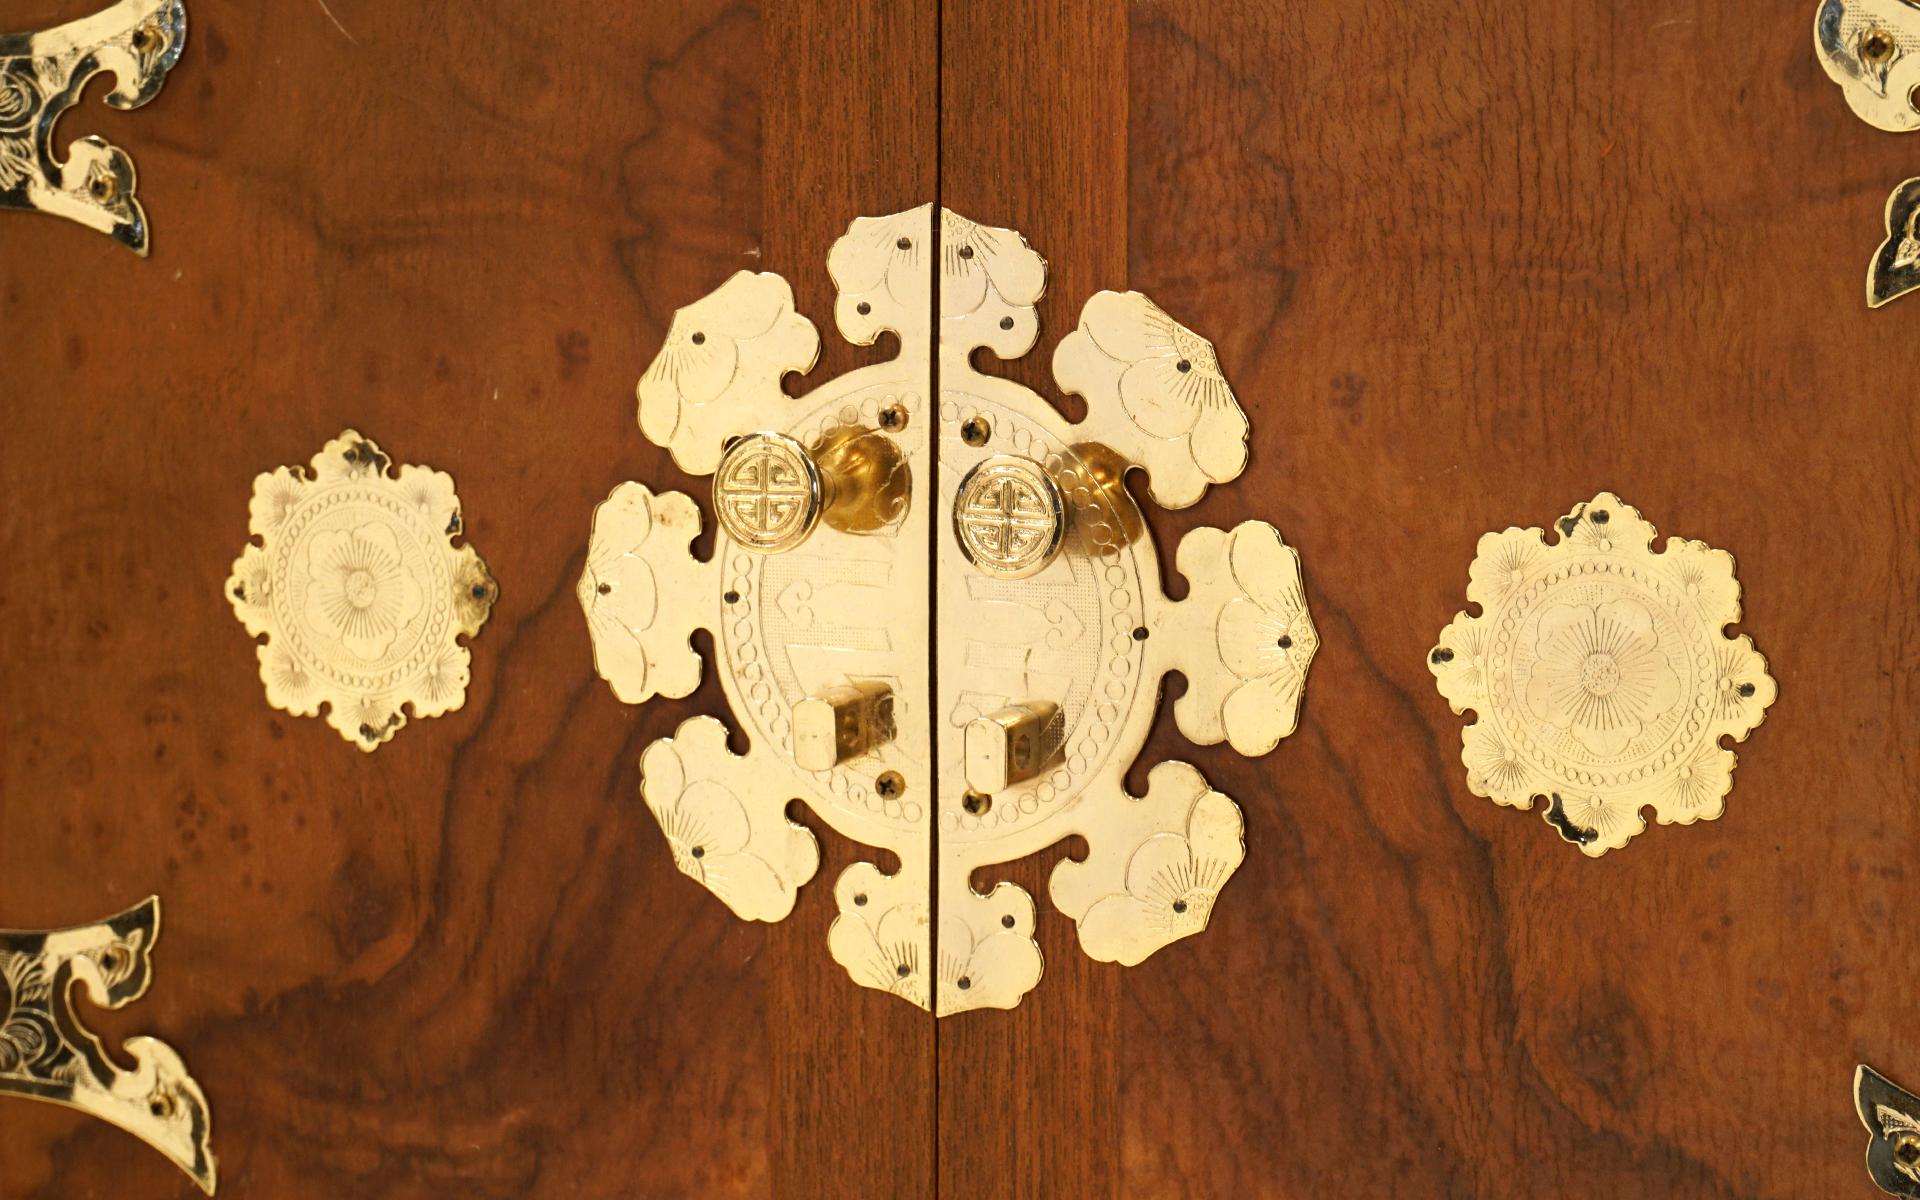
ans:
x=462 y=966
x=1466 y=266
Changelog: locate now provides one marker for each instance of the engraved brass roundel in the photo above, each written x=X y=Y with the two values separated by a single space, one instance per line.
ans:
x=768 y=493
x=1001 y=720
x=1602 y=675
x=359 y=590
x=1009 y=517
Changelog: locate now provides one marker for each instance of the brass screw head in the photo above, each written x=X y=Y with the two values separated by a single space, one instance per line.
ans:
x=1877 y=47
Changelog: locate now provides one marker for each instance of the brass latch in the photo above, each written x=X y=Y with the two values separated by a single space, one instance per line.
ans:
x=940 y=619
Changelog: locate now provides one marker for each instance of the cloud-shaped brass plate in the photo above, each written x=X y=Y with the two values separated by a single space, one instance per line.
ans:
x=1871 y=48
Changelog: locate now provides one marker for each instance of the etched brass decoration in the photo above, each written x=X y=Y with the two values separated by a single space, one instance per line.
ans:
x=1896 y=265
x=46 y=1054
x=43 y=74
x=1892 y=1118
x=803 y=614
x=1602 y=675
x=359 y=592
x=1053 y=632
x=768 y=493
x=1871 y=48
x=1009 y=517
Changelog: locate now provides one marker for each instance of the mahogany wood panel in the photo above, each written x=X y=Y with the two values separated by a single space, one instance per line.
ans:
x=1466 y=266
x=463 y=965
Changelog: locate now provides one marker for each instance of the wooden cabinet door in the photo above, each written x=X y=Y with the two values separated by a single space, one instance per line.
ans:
x=1465 y=267
x=461 y=965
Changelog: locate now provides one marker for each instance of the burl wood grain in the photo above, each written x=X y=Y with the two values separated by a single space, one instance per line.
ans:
x=1465 y=266
x=463 y=966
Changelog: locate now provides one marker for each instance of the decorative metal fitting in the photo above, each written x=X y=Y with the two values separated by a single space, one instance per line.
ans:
x=1896 y=265
x=1602 y=675
x=1892 y=1118
x=43 y=74
x=46 y=1054
x=359 y=592
x=1053 y=631
x=1871 y=48
x=1008 y=517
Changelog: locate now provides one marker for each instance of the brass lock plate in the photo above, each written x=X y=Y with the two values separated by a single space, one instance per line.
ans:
x=1043 y=617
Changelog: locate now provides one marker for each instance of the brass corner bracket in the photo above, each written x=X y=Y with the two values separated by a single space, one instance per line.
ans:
x=1892 y=1117
x=869 y=530
x=46 y=1054
x=43 y=74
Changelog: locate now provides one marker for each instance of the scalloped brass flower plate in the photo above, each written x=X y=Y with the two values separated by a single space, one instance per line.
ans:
x=359 y=592
x=43 y=74
x=1892 y=1117
x=1043 y=609
x=46 y=1054
x=1602 y=675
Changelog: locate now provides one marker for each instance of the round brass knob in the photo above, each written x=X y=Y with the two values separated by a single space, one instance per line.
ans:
x=1009 y=517
x=768 y=493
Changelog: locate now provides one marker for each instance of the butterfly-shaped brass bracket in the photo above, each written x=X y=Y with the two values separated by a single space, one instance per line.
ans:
x=42 y=75
x=45 y=1053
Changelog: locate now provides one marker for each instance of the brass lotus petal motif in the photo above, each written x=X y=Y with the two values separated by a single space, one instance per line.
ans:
x=1602 y=675
x=46 y=1054
x=43 y=74
x=357 y=592
x=1052 y=620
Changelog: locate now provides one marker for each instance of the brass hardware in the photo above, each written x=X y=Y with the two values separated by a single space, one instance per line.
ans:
x=1008 y=517
x=1012 y=746
x=1871 y=48
x=358 y=592
x=841 y=723
x=1049 y=600
x=43 y=74
x=1895 y=269
x=1602 y=675
x=46 y=1054
x=768 y=493
x=1892 y=1117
